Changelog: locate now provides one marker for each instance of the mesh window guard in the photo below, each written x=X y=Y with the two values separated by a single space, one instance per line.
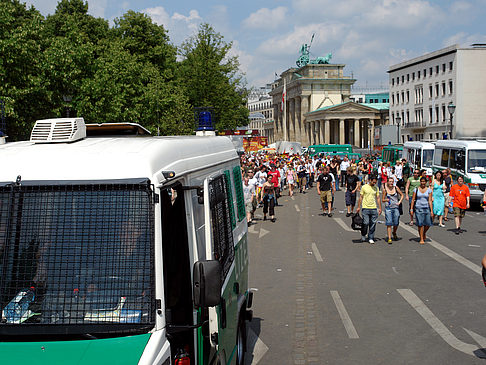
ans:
x=224 y=250
x=78 y=257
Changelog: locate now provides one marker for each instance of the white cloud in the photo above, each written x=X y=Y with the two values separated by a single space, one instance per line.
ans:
x=265 y=18
x=44 y=6
x=464 y=39
x=179 y=26
x=97 y=8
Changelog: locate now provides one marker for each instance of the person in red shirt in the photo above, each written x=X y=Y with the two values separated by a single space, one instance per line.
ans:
x=275 y=174
x=460 y=197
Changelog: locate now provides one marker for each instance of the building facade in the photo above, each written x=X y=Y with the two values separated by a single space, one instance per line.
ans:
x=308 y=88
x=261 y=112
x=422 y=88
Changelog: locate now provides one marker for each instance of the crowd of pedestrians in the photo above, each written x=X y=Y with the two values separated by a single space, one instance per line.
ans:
x=370 y=188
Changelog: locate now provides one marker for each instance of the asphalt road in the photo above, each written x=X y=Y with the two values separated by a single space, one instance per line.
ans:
x=322 y=297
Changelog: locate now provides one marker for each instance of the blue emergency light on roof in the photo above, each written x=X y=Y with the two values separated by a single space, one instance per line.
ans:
x=204 y=121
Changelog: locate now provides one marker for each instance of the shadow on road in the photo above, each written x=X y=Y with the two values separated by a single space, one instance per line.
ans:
x=253 y=330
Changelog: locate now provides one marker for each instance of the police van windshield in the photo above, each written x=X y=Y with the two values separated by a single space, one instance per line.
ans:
x=476 y=161
x=76 y=259
x=428 y=158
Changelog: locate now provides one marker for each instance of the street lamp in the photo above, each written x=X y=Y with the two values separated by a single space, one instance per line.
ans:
x=370 y=127
x=67 y=99
x=399 y=120
x=451 y=107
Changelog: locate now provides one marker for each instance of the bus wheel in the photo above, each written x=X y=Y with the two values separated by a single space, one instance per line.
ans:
x=241 y=342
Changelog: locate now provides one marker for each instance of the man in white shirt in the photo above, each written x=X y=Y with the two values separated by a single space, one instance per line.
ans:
x=399 y=173
x=249 y=195
x=343 y=167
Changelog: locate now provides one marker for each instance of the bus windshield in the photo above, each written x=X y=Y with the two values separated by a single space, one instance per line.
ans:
x=476 y=161
x=428 y=158
x=76 y=259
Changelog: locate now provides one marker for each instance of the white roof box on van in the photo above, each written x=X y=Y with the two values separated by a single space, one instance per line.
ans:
x=58 y=130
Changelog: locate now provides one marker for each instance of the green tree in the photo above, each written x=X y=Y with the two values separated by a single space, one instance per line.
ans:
x=212 y=78
x=21 y=82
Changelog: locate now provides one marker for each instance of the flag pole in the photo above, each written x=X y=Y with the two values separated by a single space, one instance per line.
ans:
x=284 y=110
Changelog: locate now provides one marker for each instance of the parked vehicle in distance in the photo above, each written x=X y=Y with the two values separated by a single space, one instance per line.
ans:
x=329 y=148
x=391 y=154
x=466 y=158
x=420 y=155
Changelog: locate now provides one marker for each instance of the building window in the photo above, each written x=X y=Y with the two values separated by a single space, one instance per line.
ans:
x=430 y=91
x=443 y=88
x=408 y=77
x=443 y=67
x=425 y=72
x=436 y=90
x=398 y=80
x=437 y=69
x=408 y=96
x=403 y=97
x=408 y=116
x=393 y=81
x=398 y=98
x=437 y=114
x=403 y=79
x=443 y=113
x=430 y=115
x=450 y=87
x=430 y=71
x=413 y=76
x=450 y=65
x=418 y=74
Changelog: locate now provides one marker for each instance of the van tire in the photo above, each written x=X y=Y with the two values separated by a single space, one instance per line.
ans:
x=241 y=342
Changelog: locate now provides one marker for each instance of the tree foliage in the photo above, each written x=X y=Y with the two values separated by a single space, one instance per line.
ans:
x=129 y=72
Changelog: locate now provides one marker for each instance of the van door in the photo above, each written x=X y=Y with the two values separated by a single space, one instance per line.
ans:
x=219 y=233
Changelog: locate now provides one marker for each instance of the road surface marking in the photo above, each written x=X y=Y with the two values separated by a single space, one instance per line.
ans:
x=317 y=254
x=251 y=229
x=395 y=270
x=343 y=313
x=462 y=260
x=343 y=225
x=263 y=232
x=435 y=323
x=257 y=345
x=297 y=208
x=474 y=246
x=292 y=197
x=481 y=341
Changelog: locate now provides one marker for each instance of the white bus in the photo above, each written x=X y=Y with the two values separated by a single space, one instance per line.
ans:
x=466 y=158
x=121 y=249
x=419 y=155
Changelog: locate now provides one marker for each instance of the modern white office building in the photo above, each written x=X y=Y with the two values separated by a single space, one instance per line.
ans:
x=421 y=90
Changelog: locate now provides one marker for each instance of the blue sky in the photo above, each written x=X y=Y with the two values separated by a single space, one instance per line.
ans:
x=368 y=36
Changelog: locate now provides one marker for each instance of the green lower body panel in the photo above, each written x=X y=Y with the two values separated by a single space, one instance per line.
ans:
x=120 y=350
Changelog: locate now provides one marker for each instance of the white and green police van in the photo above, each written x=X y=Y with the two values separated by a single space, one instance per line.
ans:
x=419 y=155
x=117 y=247
x=466 y=158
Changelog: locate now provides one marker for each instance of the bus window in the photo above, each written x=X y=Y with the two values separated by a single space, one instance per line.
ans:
x=428 y=156
x=452 y=159
x=418 y=159
x=476 y=161
x=445 y=158
x=438 y=157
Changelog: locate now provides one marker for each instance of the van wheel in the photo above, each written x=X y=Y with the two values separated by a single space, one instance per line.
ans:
x=241 y=342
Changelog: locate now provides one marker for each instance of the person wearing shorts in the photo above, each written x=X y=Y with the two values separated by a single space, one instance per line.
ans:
x=421 y=205
x=324 y=188
x=392 y=198
x=460 y=196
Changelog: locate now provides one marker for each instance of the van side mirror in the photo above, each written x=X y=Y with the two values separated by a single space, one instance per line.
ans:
x=207 y=283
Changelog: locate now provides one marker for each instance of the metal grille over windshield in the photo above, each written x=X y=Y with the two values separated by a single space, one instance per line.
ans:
x=76 y=256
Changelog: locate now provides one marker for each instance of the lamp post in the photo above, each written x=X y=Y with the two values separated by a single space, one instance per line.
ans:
x=399 y=120
x=370 y=127
x=452 y=108
x=67 y=99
